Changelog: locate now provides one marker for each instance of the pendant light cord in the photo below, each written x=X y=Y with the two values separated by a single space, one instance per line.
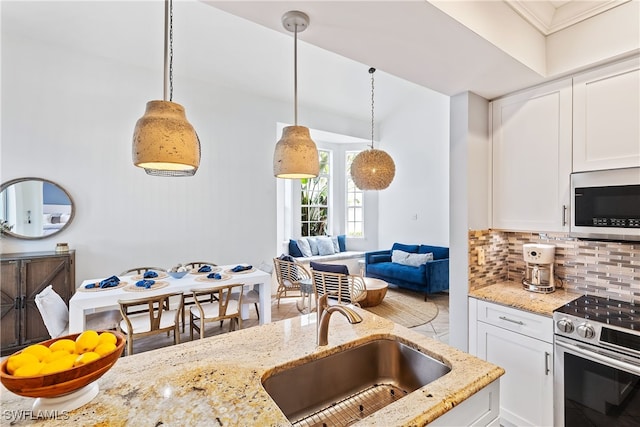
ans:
x=371 y=71
x=295 y=75
x=168 y=50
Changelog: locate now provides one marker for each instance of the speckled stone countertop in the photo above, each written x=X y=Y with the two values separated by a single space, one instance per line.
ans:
x=217 y=381
x=512 y=294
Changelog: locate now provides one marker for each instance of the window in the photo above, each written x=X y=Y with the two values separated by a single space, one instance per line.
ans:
x=354 y=205
x=314 y=199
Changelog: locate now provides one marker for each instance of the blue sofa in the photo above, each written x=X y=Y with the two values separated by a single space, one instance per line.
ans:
x=430 y=277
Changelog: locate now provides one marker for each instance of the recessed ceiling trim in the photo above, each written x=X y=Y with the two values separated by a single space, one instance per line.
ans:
x=549 y=17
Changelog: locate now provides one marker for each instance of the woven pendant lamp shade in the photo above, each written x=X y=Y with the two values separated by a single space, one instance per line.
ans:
x=296 y=155
x=372 y=169
x=164 y=142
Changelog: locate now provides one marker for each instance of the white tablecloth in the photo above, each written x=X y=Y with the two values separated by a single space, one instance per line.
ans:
x=90 y=301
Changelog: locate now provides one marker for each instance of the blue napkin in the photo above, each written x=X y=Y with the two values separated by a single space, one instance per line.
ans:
x=204 y=269
x=145 y=283
x=109 y=282
x=149 y=274
x=216 y=276
x=239 y=268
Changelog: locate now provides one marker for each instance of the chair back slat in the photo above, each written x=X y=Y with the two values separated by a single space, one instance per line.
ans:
x=332 y=283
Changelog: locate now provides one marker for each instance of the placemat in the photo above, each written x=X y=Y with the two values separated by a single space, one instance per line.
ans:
x=98 y=288
x=213 y=270
x=161 y=275
x=223 y=276
x=229 y=271
x=134 y=288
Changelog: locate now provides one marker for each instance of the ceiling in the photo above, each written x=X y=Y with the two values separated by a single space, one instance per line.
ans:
x=418 y=49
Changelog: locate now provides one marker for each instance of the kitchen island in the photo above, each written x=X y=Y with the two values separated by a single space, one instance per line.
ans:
x=217 y=381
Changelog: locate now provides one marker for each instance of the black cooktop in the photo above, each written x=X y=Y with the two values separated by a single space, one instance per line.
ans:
x=604 y=310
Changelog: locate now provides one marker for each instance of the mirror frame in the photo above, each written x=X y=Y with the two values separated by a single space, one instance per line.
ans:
x=7 y=184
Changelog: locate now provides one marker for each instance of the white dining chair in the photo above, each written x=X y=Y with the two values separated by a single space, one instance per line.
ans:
x=55 y=314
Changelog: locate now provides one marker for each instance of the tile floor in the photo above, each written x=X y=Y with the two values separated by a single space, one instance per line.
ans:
x=438 y=328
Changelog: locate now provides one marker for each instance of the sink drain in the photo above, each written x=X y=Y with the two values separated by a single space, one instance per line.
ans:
x=353 y=408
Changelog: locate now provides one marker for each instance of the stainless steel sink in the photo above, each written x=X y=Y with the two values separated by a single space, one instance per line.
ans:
x=344 y=387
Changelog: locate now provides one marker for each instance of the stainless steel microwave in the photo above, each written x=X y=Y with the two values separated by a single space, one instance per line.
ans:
x=606 y=204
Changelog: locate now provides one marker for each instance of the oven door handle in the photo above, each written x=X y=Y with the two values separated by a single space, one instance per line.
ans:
x=608 y=360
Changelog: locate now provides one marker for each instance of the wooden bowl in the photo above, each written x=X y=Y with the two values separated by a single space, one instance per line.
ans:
x=60 y=383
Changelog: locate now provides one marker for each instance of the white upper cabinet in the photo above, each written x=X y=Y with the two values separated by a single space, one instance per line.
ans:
x=606 y=117
x=531 y=139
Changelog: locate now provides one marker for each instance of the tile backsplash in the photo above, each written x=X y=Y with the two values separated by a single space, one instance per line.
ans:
x=588 y=267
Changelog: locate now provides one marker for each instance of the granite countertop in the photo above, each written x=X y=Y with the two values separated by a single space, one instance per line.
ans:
x=512 y=294
x=217 y=381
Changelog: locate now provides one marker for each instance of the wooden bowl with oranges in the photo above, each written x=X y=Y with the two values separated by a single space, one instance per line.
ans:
x=61 y=365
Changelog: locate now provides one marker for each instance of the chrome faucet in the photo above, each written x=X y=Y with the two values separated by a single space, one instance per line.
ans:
x=324 y=314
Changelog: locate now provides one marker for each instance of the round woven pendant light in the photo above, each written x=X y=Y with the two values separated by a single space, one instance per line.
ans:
x=372 y=169
x=164 y=142
x=295 y=155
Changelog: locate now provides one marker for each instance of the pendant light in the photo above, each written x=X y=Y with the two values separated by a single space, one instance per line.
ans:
x=372 y=169
x=164 y=142
x=296 y=155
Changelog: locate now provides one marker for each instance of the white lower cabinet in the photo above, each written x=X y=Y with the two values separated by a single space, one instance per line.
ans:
x=480 y=410
x=522 y=344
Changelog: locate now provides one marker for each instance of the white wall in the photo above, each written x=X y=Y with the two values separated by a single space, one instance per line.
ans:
x=415 y=207
x=69 y=117
x=470 y=173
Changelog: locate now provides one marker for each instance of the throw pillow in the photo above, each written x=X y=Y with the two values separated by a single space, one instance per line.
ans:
x=330 y=268
x=53 y=310
x=285 y=257
x=415 y=260
x=342 y=242
x=336 y=245
x=303 y=244
x=398 y=256
x=325 y=246
x=313 y=244
x=294 y=250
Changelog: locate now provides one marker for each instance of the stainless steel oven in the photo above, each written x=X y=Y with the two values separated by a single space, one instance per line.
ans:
x=597 y=363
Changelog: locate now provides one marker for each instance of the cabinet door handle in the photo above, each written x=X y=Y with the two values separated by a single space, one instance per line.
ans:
x=564 y=215
x=16 y=303
x=23 y=301
x=511 y=320
x=547 y=369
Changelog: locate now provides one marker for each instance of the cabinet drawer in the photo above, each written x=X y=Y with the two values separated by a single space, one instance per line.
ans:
x=523 y=322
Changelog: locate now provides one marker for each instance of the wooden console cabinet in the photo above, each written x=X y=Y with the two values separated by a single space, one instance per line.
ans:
x=23 y=276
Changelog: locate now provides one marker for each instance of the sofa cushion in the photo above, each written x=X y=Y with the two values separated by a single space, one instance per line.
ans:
x=379 y=258
x=438 y=252
x=325 y=246
x=397 y=271
x=342 y=242
x=330 y=268
x=304 y=246
x=294 y=250
x=313 y=244
x=406 y=248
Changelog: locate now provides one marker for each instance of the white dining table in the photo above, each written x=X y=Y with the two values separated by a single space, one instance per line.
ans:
x=85 y=302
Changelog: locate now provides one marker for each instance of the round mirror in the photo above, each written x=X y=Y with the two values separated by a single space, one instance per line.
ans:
x=34 y=208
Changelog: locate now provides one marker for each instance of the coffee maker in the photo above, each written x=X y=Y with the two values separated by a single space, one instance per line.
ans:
x=539 y=258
